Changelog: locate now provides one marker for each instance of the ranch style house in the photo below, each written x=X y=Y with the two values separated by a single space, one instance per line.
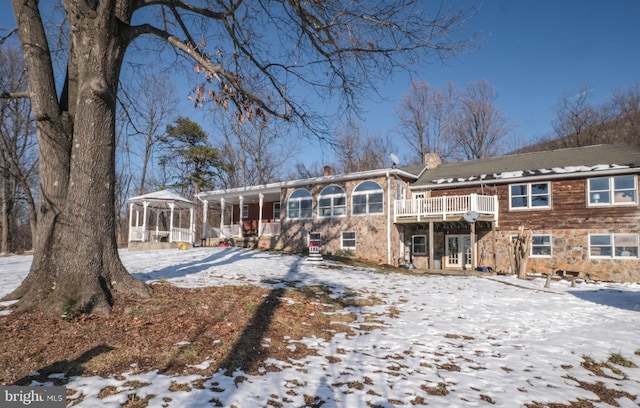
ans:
x=580 y=206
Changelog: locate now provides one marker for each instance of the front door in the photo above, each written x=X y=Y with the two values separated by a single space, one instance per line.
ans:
x=458 y=251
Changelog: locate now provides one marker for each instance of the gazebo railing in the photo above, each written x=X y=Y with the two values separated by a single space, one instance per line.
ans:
x=181 y=235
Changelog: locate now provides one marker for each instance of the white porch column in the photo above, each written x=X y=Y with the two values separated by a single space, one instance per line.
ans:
x=222 y=217
x=130 y=219
x=145 y=204
x=172 y=206
x=205 y=210
x=241 y=219
x=260 y=215
x=192 y=224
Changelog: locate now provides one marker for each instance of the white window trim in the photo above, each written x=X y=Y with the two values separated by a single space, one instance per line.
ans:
x=366 y=194
x=529 y=196
x=333 y=205
x=613 y=246
x=245 y=210
x=279 y=210
x=612 y=190
x=298 y=200
x=532 y=255
x=342 y=240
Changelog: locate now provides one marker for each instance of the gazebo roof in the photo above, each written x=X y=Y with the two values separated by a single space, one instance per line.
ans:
x=162 y=199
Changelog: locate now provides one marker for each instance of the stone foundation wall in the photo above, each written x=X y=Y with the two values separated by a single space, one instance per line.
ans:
x=570 y=251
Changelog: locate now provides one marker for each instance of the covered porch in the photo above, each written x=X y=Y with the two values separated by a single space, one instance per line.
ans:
x=243 y=213
x=160 y=220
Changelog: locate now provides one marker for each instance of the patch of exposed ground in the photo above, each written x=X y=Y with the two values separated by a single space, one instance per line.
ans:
x=231 y=326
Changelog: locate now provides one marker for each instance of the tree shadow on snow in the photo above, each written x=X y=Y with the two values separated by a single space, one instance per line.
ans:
x=222 y=257
x=64 y=370
x=621 y=299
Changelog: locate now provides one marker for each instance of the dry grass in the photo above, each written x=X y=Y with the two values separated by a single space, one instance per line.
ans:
x=173 y=330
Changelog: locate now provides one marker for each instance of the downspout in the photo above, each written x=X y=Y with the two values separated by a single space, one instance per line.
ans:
x=388 y=219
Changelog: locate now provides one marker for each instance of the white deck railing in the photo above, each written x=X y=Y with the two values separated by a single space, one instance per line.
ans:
x=270 y=229
x=446 y=205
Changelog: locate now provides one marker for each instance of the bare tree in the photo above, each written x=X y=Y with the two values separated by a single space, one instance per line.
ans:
x=356 y=150
x=18 y=157
x=255 y=151
x=425 y=115
x=479 y=128
x=624 y=113
x=333 y=48
x=150 y=107
x=578 y=122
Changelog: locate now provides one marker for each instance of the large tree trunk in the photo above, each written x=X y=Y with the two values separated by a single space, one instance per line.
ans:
x=76 y=265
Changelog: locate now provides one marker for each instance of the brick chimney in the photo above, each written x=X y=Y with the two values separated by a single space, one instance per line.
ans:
x=327 y=171
x=432 y=160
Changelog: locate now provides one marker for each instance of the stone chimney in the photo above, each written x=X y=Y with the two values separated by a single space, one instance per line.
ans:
x=432 y=160
x=327 y=171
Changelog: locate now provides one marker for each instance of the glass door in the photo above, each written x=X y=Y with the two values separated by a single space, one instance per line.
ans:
x=458 y=251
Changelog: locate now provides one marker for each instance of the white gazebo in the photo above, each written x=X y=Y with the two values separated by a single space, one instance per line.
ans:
x=160 y=220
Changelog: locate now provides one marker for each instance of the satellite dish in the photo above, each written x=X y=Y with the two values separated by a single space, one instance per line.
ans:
x=394 y=159
x=470 y=216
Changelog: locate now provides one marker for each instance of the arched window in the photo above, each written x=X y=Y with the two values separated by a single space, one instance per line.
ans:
x=332 y=202
x=300 y=204
x=367 y=198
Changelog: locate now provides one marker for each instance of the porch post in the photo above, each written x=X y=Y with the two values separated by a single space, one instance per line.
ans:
x=205 y=210
x=260 y=215
x=192 y=225
x=222 y=217
x=145 y=205
x=241 y=219
x=431 y=250
x=130 y=219
x=172 y=206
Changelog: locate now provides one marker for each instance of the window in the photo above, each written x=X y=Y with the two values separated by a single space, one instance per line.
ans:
x=620 y=190
x=348 y=240
x=245 y=211
x=541 y=245
x=276 y=211
x=300 y=204
x=531 y=195
x=367 y=198
x=419 y=244
x=613 y=245
x=332 y=202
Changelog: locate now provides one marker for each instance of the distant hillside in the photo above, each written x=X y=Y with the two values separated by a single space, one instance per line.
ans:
x=622 y=129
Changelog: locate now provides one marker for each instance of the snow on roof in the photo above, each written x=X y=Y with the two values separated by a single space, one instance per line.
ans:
x=162 y=196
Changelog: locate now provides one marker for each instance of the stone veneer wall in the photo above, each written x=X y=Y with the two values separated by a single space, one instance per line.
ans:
x=570 y=251
x=371 y=230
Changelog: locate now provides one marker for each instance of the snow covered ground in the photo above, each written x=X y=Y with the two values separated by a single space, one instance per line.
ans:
x=442 y=341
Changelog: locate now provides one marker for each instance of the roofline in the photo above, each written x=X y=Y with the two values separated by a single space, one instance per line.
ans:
x=276 y=187
x=511 y=180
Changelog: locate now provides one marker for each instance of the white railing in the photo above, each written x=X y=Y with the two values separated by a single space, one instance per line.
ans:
x=271 y=229
x=181 y=235
x=446 y=205
x=138 y=234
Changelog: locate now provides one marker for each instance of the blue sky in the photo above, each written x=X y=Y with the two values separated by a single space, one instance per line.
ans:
x=531 y=52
